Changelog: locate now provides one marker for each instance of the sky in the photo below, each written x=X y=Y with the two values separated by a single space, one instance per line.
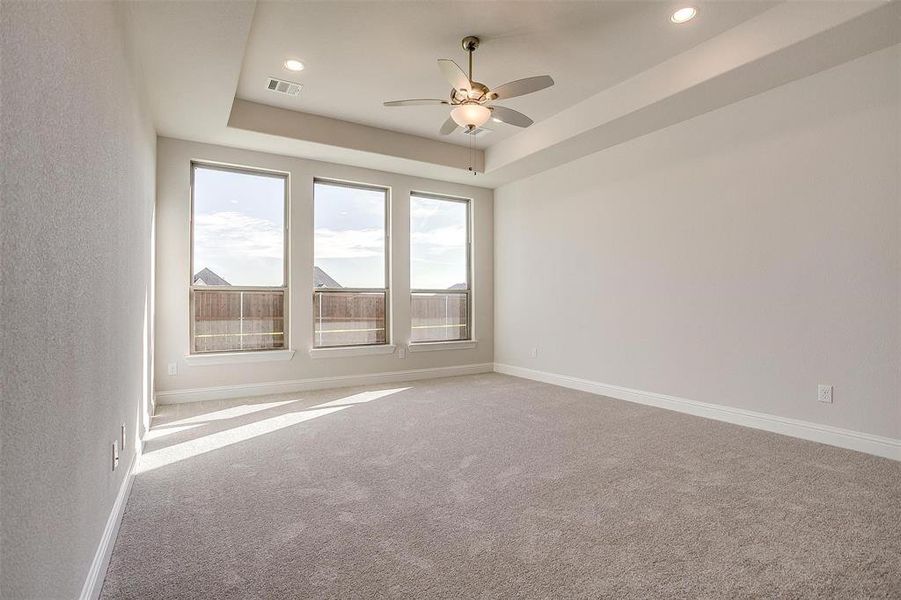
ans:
x=239 y=233
x=438 y=243
x=349 y=234
x=239 y=226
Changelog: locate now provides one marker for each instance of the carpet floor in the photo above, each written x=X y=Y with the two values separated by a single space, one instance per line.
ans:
x=490 y=486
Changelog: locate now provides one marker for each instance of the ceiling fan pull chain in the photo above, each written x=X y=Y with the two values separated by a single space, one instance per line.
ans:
x=472 y=151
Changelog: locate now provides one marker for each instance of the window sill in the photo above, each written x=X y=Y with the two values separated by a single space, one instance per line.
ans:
x=342 y=351
x=228 y=358
x=432 y=346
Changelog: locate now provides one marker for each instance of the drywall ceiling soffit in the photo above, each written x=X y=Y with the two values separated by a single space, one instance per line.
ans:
x=359 y=54
x=190 y=56
x=783 y=43
x=195 y=57
x=251 y=116
x=788 y=42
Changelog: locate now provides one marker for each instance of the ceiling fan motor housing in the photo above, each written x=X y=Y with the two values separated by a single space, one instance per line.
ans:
x=477 y=92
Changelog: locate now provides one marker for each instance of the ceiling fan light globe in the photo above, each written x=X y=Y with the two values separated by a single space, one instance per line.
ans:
x=475 y=115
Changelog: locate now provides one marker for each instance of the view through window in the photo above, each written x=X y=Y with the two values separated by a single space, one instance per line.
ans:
x=350 y=296
x=439 y=268
x=238 y=260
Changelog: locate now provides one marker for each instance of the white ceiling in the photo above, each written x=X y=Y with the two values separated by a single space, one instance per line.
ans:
x=622 y=70
x=359 y=54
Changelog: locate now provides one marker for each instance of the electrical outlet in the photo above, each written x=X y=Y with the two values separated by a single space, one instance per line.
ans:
x=824 y=393
x=173 y=368
x=122 y=436
x=115 y=456
x=401 y=352
x=533 y=352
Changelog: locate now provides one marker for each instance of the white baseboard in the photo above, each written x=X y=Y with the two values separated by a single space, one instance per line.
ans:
x=318 y=383
x=97 y=573
x=825 y=434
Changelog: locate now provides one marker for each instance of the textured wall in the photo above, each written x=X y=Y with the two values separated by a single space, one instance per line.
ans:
x=77 y=205
x=738 y=258
x=173 y=271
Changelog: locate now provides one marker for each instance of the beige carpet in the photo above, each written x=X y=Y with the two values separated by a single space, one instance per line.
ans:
x=490 y=486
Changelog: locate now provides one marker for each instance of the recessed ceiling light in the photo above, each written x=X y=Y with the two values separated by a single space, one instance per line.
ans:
x=292 y=64
x=683 y=15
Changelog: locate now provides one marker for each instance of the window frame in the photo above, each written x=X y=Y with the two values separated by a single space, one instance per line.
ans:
x=470 y=317
x=386 y=191
x=284 y=288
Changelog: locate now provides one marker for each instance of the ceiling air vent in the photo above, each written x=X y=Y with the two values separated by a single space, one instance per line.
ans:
x=283 y=87
x=478 y=132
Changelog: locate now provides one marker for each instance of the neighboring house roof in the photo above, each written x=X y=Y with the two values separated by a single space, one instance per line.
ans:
x=322 y=279
x=207 y=277
x=458 y=286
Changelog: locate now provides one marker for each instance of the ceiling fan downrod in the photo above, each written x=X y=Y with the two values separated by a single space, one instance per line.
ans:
x=470 y=43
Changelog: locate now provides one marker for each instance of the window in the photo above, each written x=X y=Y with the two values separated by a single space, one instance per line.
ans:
x=350 y=270
x=439 y=269
x=238 y=260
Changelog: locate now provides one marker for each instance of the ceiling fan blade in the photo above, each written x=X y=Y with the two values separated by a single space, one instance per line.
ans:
x=521 y=87
x=449 y=127
x=454 y=74
x=510 y=116
x=415 y=102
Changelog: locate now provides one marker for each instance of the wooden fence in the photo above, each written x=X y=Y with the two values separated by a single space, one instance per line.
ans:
x=439 y=317
x=238 y=320
x=348 y=318
x=227 y=320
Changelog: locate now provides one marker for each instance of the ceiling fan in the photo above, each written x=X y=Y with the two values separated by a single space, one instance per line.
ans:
x=472 y=100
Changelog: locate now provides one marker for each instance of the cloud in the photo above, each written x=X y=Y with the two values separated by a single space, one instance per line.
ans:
x=440 y=240
x=232 y=234
x=423 y=210
x=349 y=243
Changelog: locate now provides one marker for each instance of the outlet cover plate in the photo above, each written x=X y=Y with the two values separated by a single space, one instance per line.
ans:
x=824 y=393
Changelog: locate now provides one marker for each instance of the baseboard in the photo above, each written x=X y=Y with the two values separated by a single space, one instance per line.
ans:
x=825 y=434
x=318 y=383
x=94 y=582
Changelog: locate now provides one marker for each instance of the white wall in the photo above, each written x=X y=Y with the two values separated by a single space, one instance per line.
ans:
x=173 y=273
x=739 y=258
x=75 y=247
